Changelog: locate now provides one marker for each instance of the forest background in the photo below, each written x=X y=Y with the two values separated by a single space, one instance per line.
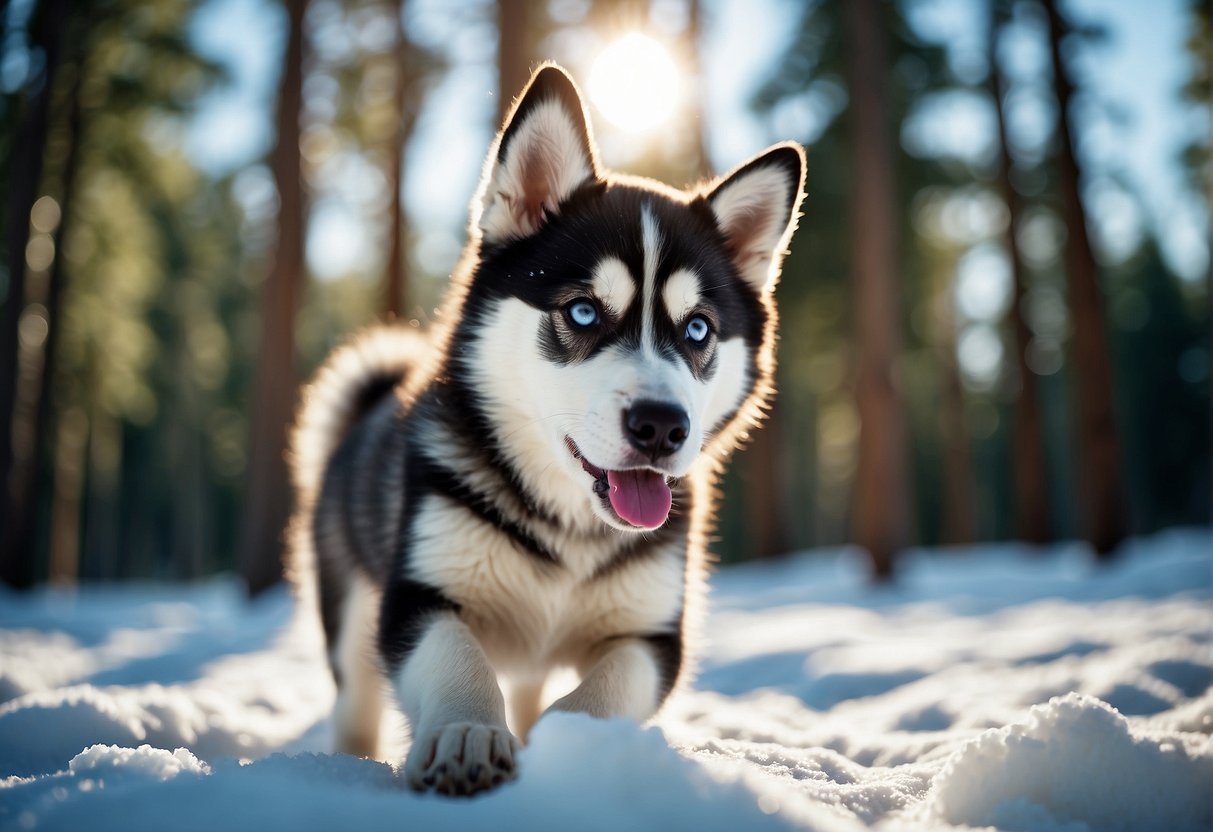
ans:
x=995 y=315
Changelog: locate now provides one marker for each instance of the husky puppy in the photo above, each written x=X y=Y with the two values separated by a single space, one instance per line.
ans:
x=531 y=488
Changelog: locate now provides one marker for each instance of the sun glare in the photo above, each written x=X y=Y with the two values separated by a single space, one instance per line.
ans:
x=635 y=83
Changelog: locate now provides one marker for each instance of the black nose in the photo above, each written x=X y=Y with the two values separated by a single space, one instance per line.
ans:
x=656 y=428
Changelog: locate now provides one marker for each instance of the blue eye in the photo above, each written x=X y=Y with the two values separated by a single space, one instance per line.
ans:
x=697 y=330
x=583 y=313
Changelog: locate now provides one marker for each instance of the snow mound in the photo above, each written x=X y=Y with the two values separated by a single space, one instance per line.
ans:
x=145 y=761
x=610 y=774
x=160 y=716
x=1076 y=763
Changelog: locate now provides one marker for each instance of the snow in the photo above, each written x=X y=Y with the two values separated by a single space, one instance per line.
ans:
x=144 y=761
x=1019 y=776
x=993 y=687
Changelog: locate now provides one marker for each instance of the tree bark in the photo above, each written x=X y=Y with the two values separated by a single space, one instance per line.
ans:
x=701 y=166
x=1031 y=482
x=514 y=52
x=25 y=479
x=395 y=277
x=881 y=507
x=1102 y=499
x=267 y=500
x=16 y=568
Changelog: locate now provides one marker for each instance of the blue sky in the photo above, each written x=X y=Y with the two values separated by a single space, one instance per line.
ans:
x=1137 y=72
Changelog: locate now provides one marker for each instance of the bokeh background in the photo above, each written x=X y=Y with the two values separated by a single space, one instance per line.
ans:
x=995 y=312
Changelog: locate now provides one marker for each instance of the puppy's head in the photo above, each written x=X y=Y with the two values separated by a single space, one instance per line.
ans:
x=616 y=329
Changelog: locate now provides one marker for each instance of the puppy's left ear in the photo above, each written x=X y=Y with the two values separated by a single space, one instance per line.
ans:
x=756 y=208
x=544 y=153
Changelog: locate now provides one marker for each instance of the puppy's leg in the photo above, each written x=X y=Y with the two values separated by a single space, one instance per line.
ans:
x=630 y=677
x=449 y=693
x=524 y=704
x=359 y=707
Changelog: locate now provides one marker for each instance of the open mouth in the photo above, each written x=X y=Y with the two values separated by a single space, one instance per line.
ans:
x=639 y=497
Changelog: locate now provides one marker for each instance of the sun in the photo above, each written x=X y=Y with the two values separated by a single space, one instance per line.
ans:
x=635 y=83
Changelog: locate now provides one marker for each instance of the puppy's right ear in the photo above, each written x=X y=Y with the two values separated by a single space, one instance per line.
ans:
x=545 y=152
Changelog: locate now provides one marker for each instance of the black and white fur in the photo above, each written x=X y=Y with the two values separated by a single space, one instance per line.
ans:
x=454 y=511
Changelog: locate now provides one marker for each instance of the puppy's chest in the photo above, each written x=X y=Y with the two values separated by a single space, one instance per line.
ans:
x=523 y=609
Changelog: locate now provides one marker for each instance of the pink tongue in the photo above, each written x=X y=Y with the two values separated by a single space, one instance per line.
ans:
x=640 y=497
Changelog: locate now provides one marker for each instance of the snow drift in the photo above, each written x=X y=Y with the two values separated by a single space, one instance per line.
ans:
x=1076 y=760
x=990 y=688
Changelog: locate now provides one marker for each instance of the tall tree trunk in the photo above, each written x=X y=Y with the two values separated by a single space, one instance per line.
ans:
x=395 y=277
x=396 y=295
x=515 y=51
x=1102 y=500
x=267 y=499
x=701 y=165
x=35 y=393
x=1030 y=471
x=881 y=507
x=16 y=569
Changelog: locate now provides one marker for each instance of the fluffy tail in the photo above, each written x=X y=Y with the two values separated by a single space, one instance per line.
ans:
x=350 y=382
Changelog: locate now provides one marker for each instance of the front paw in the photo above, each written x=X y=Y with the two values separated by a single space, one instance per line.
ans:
x=461 y=758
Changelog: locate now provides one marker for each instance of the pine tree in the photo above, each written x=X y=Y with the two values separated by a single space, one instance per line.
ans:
x=49 y=17
x=1103 y=505
x=275 y=387
x=882 y=505
x=1029 y=469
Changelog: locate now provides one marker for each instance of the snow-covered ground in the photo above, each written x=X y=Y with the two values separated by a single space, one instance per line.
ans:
x=995 y=687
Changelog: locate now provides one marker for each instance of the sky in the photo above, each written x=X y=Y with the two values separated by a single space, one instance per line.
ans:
x=1136 y=129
